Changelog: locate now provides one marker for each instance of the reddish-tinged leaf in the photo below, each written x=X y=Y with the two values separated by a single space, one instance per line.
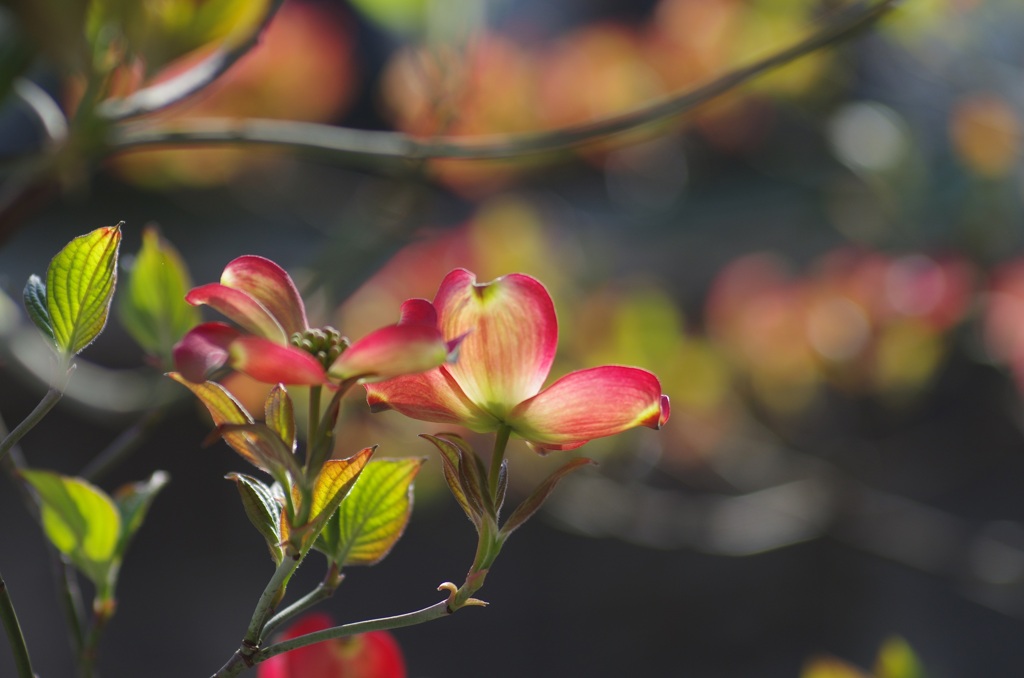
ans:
x=588 y=404
x=450 y=460
x=239 y=307
x=224 y=409
x=532 y=503
x=272 y=363
x=266 y=445
x=271 y=286
x=332 y=485
x=280 y=415
x=511 y=337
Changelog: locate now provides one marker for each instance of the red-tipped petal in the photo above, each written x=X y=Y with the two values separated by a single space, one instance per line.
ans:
x=429 y=396
x=511 y=334
x=269 y=284
x=203 y=350
x=418 y=312
x=271 y=363
x=239 y=307
x=391 y=352
x=589 y=404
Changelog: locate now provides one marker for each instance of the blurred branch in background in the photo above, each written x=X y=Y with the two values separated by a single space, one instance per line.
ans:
x=361 y=146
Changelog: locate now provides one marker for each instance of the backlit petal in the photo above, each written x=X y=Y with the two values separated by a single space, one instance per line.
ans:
x=429 y=396
x=239 y=307
x=203 y=350
x=589 y=404
x=272 y=363
x=269 y=284
x=391 y=352
x=418 y=312
x=511 y=336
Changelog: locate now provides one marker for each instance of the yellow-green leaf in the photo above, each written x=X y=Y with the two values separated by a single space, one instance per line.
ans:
x=153 y=307
x=374 y=514
x=79 y=286
x=280 y=415
x=334 y=482
x=81 y=521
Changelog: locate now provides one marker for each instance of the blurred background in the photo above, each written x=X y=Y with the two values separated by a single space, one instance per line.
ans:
x=824 y=267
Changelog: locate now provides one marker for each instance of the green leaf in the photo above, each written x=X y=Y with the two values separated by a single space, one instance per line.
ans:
x=81 y=521
x=153 y=308
x=35 y=304
x=79 y=286
x=266 y=446
x=133 y=501
x=374 y=514
x=262 y=509
x=532 y=503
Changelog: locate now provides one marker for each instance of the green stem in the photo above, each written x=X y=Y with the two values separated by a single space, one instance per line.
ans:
x=323 y=591
x=500 y=443
x=103 y=611
x=436 y=611
x=35 y=416
x=312 y=439
x=123 y=446
x=269 y=600
x=70 y=596
x=15 y=637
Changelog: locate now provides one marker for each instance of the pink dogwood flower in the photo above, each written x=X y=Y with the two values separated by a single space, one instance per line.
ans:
x=369 y=655
x=276 y=345
x=511 y=334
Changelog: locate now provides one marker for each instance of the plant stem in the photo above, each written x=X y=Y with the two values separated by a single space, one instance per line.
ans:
x=22 y=660
x=34 y=417
x=103 y=611
x=395 y=148
x=323 y=591
x=123 y=446
x=500 y=443
x=436 y=611
x=312 y=426
x=70 y=596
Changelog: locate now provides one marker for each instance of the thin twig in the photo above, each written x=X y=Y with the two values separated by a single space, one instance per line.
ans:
x=22 y=660
x=169 y=92
x=391 y=147
x=51 y=398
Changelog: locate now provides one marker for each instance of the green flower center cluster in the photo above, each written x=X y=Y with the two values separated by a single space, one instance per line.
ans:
x=325 y=344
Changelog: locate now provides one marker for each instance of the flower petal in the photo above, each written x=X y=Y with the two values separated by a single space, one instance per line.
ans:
x=418 y=312
x=271 y=363
x=589 y=404
x=429 y=396
x=511 y=337
x=203 y=350
x=391 y=352
x=239 y=307
x=269 y=284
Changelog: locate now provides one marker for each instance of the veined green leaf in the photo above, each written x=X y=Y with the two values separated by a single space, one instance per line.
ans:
x=153 y=307
x=280 y=415
x=375 y=513
x=35 y=304
x=262 y=509
x=81 y=521
x=332 y=485
x=79 y=286
x=133 y=501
